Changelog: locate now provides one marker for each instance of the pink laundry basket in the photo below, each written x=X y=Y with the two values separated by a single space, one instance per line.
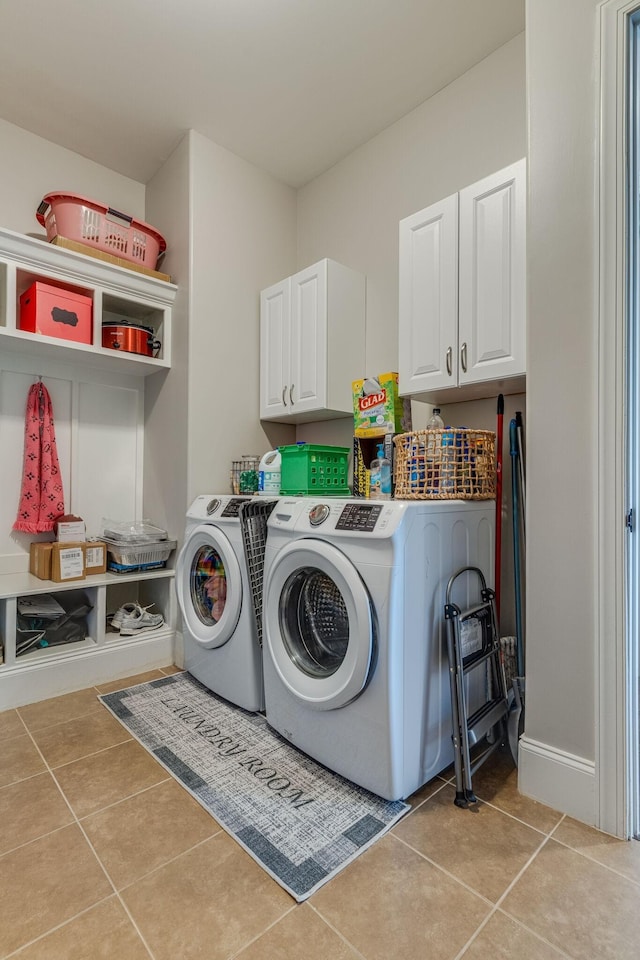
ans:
x=94 y=224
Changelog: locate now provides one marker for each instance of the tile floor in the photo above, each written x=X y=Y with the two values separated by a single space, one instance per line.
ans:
x=103 y=855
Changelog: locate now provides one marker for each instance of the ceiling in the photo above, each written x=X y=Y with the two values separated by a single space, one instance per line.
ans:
x=290 y=85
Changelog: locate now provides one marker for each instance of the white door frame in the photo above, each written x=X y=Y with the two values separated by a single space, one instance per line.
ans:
x=617 y=774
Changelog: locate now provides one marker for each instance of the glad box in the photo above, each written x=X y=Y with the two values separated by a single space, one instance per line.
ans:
x=56 y=312
x=377 y=407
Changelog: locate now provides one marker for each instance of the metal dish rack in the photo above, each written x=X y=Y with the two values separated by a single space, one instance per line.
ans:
x=125 y=557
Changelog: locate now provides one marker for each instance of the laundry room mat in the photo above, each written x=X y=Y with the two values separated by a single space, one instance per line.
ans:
x=298 y=820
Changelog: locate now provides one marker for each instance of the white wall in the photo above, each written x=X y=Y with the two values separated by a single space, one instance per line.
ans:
x=31 y=167
x=472 y=127
x=94 y=413
x=469 y=129
x=243 y=233
x=561 y=393
x=166 y=458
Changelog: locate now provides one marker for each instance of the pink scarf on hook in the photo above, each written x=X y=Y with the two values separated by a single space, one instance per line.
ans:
x=41 y=496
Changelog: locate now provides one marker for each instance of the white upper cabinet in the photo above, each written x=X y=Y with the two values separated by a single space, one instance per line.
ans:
x=428 y=306
x=274 y=349
x=462 y=303
x=312 y=346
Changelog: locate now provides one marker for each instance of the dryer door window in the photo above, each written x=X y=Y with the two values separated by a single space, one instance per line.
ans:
x=209 y=586
x=319 y=624
x=314 y=622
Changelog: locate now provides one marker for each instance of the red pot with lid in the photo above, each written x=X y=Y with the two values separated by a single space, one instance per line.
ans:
x=130 y=338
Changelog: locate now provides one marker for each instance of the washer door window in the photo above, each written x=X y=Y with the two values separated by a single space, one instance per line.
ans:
x=209 y=586
x=319 y=624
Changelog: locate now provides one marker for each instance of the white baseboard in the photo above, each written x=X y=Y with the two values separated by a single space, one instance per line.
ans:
x=65 y=669
x=178 y=649
x=560 y=780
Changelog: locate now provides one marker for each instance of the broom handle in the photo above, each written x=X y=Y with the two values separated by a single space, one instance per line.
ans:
x=498 y=557
x=516 y=544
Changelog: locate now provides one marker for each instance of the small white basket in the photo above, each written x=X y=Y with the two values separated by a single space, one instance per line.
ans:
x=122 y=558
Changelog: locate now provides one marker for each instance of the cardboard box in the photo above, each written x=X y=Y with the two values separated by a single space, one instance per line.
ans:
x=67 y=562
x=56 y=312
x=70 y=529
x=378 y=408
x=364 y=451
x=108 y=258
x=95 y=557
x=40 y=560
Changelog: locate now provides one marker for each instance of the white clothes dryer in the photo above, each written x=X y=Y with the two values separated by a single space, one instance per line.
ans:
x=355 y=657
x=221 y=646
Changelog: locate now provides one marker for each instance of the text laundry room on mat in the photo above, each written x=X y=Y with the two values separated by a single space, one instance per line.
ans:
x=299 y=821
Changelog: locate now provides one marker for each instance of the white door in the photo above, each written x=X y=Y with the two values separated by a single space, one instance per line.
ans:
x=318 y=623
x=209 y=586
x=275 y=306
x=428 y=298
x=308 y=382
x=492 y=288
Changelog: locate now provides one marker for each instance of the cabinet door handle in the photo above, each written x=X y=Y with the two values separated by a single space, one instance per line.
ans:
x=463 y=357
x=291 y=394
x=449 y=359
x=284 y=395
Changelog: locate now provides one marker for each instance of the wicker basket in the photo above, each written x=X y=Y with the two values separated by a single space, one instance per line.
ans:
x=452 y=464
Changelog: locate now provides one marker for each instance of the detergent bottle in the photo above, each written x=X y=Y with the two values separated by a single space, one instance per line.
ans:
x=380 y=479
x=269 y=474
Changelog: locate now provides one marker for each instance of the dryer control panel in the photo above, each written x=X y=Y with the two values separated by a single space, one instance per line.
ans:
x=359 y=516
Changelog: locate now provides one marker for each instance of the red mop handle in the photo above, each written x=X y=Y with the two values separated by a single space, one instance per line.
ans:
x=498 y=566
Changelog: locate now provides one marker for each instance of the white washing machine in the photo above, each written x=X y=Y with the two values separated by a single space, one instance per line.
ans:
x=355 y=658
x=221 y=646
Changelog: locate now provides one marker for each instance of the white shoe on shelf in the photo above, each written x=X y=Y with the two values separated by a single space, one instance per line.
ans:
x=126 y=610
x=140 y=620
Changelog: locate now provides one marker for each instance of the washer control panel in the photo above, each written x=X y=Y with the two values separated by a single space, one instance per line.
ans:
x=359 y=516
x=233 y=506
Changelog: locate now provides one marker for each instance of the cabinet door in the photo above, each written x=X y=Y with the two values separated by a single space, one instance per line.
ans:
x=492 y=276
x=275 y=307
x=308 y=386
x=428 y=298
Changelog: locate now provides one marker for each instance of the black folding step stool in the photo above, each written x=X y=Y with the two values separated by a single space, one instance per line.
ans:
x=472 y=640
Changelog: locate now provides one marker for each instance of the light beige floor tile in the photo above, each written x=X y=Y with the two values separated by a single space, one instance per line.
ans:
x=102 y=933
x=10 y=725
x=301 y=933
x=207 y=904
x=129 y=681
x=390 y=902
x=425 y=792
x=620 y=855
x=145 y=831
x=504 y=939
x=45 y=713
x=19 y=759
x=497 y=782
x=578 y=905
x=78 y=738
x=30 y=809
x=106 y=777
x=481 y=846
x=45 y=883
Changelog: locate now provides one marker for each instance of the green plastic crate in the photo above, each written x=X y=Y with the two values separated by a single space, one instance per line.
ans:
x=308 y=469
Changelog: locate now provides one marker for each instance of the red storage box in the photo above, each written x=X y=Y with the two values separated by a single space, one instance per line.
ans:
x=56 y=312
